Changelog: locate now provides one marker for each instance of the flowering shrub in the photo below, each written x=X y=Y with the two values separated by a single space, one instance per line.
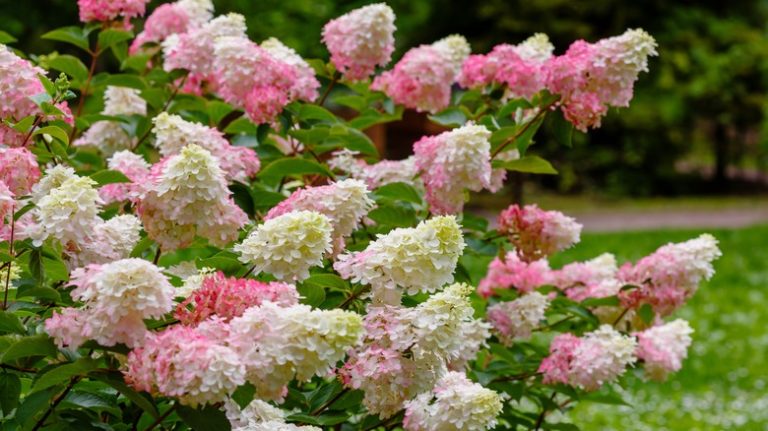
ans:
x=204 y=241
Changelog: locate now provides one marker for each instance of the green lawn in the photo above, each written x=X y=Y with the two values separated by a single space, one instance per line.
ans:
x=723 y=383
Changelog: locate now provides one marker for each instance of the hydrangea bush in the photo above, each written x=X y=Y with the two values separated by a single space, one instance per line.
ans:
x=208 y=239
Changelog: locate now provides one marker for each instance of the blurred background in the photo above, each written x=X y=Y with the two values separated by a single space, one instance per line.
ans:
x=689 y=154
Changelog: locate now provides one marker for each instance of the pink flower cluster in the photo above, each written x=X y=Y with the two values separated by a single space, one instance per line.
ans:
x=108 y=10
x=18 y=82
x=669 y=276
x=536 y=233
x=421 y=80
x=229 y=297
x=190 y=363
x=590 y=78
x=590 y=361
x=662 y=348
x=361 y=40
x=172 y=18
x=118 y=296
x=520 y=67
x=515 y=273
x=596 y=278
x=18 y=170
x=248 y=76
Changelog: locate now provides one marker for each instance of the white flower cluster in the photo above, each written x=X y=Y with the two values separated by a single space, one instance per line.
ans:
x=443 y=325
x=536 y=48
x=189 y=195
x=280 y=343
x=288 y=245
x=345 y=203
x=517 y=319
x=452 y=162
x=306 y=87
x=455 y=49
x=67 y=208
x=406 y=350
x=456 y=404
x=173 y=133
x=260 y=416
x=622 y=58
x=420 y=259
x=111 y=240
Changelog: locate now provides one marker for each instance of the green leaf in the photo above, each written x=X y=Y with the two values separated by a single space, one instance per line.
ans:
x=500 y=136
x=330 y=281
x=223 y=261
x=73 y=35
x=528 y=164
x=646 y=313
x=451 y=117
x=264 y=199
x=312 y=294
x=70 y=65
x=53 y=131
x=115 y=380
x=242 y=125
x=563 y=130
x=284 y=167
x=10 y=389
x=36 y=345
x=204 y=419
x=107 y=176
x=40 y=292
x=9 y=322
x=125 y=80
x=399 y=192
x=110 y=37
x=244 y=394
x=55 y=269
x=390 y=215
x=63 y=373
x=315 y=112
x=610 y=301
x=6 y=38
x=138 y=62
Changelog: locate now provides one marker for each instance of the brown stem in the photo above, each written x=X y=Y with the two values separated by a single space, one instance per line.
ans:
x=543 y=414
x=175 y=92
x=84 y=93
x=19 y=369
x=38 y=119
x=10 y=263
x=157 y=255
x=161 y=418
x=621 y=316
x=520 y=132
x=351 y=298
x=334 y=79
x=55 y=403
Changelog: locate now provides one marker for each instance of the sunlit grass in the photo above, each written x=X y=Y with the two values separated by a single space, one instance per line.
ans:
x=722 y=385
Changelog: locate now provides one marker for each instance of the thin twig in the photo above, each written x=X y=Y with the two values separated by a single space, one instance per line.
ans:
x=10 y=262
x=55 y=403
x=161 y=418
x=520 y=132
x=175 y=92
x=250 y=270
x=334 y=79
x=543 y=414
x=329 y=403
x=84 y=93
x=38 y=119
x=351 y=298
x=157 y=255
x=621 y=316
